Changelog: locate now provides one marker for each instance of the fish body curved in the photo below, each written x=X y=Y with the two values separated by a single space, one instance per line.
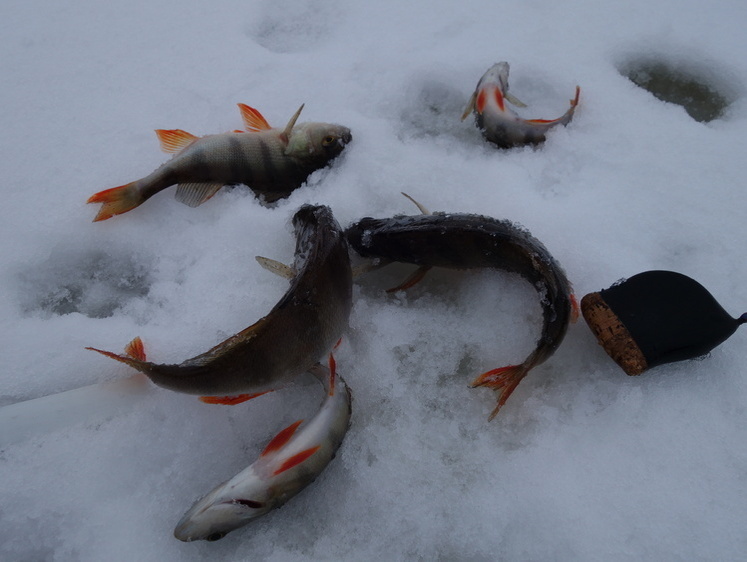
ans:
x=289 y=463
x=500 y=124
x=466 y=241
x=300 y=329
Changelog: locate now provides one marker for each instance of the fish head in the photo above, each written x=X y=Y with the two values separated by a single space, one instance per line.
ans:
x=490 y=97
x=496 y=75
x=318 y=142
x=224 y=510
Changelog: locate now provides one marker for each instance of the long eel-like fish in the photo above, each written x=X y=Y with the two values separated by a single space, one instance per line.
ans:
x=295 y=335
x=464 y=241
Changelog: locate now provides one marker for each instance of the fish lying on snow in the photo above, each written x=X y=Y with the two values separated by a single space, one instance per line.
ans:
x=302 y=327
x=272 y=162
x=291 y=461
x=498 y=122
x=463 y=241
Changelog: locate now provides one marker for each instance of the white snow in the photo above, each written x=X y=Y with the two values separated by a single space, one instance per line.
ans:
x=583 y=463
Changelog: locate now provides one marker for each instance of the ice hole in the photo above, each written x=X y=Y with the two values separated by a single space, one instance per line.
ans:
x=691 y=88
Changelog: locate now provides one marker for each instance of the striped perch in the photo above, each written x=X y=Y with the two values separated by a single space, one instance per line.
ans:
x=499 y=124
x=272 y=162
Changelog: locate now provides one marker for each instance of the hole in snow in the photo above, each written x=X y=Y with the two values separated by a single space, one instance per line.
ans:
x=433 y=108
x=92 y=283
x=295 y=25
x=689 y=87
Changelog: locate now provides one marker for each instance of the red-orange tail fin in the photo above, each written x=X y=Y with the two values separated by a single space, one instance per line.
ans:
x=503 y=380
x=135 y=354
x=116 y=200
x=574 y=101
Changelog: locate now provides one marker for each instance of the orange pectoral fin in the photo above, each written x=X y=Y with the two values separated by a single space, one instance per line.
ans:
x=281 y=438
x=253 y=119
x=231 y=400
x=297 y=459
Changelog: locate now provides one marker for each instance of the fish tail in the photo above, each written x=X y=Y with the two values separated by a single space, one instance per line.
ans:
x=743 y=319
x=574 y=101
x=116 y=200
x=134 y=354
x=503 y=381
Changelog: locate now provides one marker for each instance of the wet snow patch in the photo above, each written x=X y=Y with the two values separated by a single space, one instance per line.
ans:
x=296 y=26
x=92 y=282
x=433 y=108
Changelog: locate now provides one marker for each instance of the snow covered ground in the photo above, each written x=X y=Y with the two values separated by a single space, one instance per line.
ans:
x=583 y=463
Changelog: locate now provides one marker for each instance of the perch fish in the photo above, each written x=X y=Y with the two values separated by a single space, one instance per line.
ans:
x=498 y=122
x=272 y=162
x=465 y=241
x=302 y=327
x=292 y=460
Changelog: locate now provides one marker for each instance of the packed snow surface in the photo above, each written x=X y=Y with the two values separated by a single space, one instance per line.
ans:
x=583 y=462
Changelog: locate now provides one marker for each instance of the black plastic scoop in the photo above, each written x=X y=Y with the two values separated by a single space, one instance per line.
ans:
x=657 y=317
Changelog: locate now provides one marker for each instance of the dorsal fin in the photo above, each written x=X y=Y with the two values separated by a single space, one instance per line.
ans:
x=281 y=438
x=253 y=119
x=420 y=206
x=296 y=459
x=174 y=140
x=285 y=135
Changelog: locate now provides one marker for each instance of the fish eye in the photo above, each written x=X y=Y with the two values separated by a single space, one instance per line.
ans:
x=329 y=139
x=215 y=536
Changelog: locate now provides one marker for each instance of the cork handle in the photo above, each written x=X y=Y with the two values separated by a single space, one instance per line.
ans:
x=612 y=335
